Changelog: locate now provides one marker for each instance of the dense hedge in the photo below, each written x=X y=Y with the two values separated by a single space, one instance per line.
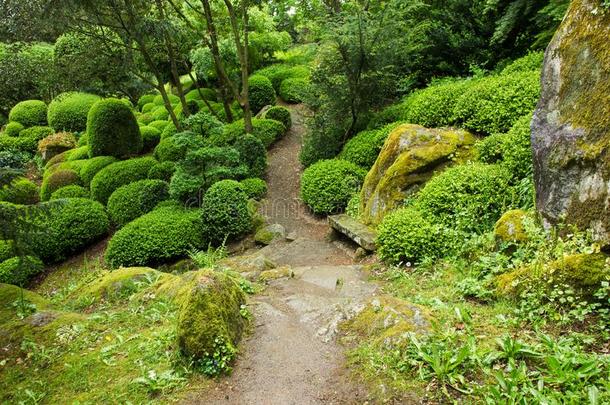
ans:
x=150 y=138
x=174 y=148
x=268 y=131
x=72 y=191
x=530 y=62
x=225 y=212
x=146 y=99
x=68 y=111
x=29 y=113
x=112 y=129
x=160 y=236
x=277 y=73
x=328 y=185
x=20 y=191
x=27 y=141
x=92 y=166
x=254 y=188
x=260 y=93
x=281 y=114
x=159 y=125
x=295 y=90
x=252 y=153
x=118 y=174
x=136 y=199
x=162 y=171
x=13 y=129
x=19 y=270
x=56 y=180
x=364 y=148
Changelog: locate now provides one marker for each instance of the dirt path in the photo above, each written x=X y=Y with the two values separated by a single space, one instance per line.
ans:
x=292 y=356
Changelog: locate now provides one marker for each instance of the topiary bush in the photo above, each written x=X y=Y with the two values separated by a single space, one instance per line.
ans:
x=158 y=237
x=253 y=154
x=254 y=188
x=158 y=100
x=174 y=148
x=56 y=180
x=159 y=114
x=92 y=166
x=295 y=90
x=364 y=148
x=328 y=185
x=162 y=171
x=196 y=94
x=260 y=93
x=20 y=270
x=277 y=73
x=150 y=138
x=159 y=125
x=146 y=99
x=405 y=235
x=281 y=114
x=224 y=212
x=20 y=191
x=13 y=129
x=118 y=174
x=268 y=131
x=112 y=129
x=29 y=113
x=531 y=61
x=72 y=191
x=69 y=111
x=136 y=199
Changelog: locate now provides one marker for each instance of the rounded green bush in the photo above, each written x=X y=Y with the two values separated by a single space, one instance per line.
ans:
x=83 y=140
x=277 y=73
x=328 y=185
x=174 y=148
x=72 y=191
x=92 y=166
x=136 y=199
x=260 y=93
x=150 y=138
x=56 y=180
x=159 y=125
x=406 y=236
x=268 y=131
x=254 y=188
x=20 y=270
x=527 y=63
x=118 y=174
x=162 y=171
x=208 y=94
x=281 y=114
x=112 y=129
x=364 y=148
x=158 y=237
x=29 y=113
x=145 y=99
x=146 y=108
x=36 y=134
x=253 y=154
x=225 y=212
x=159 y=114
x=158 y=100
x=13 y=129
x=69 y=111
x=294 y=90
x=20 y=191
x=80 y=153
x=468 y=198
x=169 y=130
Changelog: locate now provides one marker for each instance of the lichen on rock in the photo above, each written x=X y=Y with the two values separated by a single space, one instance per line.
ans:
x=511 y=228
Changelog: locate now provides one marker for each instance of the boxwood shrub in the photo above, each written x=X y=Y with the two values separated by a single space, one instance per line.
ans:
x=118 y=174
x=295 y=90
x=254 y=188
x=112 y=129
x=20 y=270
x=159 y=125
x=150 y=138
x=146 y=99
x=364 y=148
x=224 y=212
x=328 y=185
x=260 y=93
x=92 y=166
x=253 y=154
x=160 y=236
x=68 y=111
x=174 y=148
x=281 y=114
x=136 y=199
x=162 y=171
x=72 y=191
x=13 y=129
x=29 y=113
x=57 y=179
x=20 y=191
x=268 y=131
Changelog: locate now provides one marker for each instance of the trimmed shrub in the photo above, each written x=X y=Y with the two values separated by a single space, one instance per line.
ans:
x=208 y=94
x=118 y=174
x=268 y=131
x=253 y=154
x=174 y=148
x=150 y=138
x=281 y=114
x=159 y=114
x=72 y=191
x=20 y=191
x=68 y=111
x=158 y=100
x=169 y=130
x=260 y=93
x=146 y=108
x=364 y=148
x=204 y=124
x=328 y=185
x=294 y=90
x=56 y=180
x=136 y=199
x=277 y=73
x=83 y=140
x=112 y=129
x=159 y=125
x=80 y=153
x=405 y=235
x=13 y=129
x=254 y=188
x=145 y=99
x=19 y=270
x=29 y=113
x=162 y=171
x=468 y=198
x=225 y=212
x=527 y=63
x=491 y=148
x=158 y=237
x=92 y=166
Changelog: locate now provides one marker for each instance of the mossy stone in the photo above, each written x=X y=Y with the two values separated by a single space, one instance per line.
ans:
x=510 y=227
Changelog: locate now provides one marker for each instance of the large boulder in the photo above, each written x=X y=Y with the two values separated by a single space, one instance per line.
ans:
x=410 y=156
x=571 y=126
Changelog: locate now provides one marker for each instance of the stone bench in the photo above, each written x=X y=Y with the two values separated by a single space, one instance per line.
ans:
x=355 y=230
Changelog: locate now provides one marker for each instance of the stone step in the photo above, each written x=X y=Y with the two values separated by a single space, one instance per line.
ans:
x=355 y=230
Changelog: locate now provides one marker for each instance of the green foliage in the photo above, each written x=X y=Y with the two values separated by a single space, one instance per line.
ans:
x=210 y=258
x=281 y=114
x=327 y=186
x=174 y=148
x=56 y=180
x=295 y=90
x=254 y=188
x=145 y=99
x=68 y=111
x=118 y=174
x=252 y=152
x=162 y=171
x=59 y=142
x=150 y=138
x=13 y=129
x=135 y=199
x=260 y=93
x=27 y=141
x=71 y=191
x=224 y=212
x=92 y=166
x=364 y=148
x=208 y=94
x=19 y=270
x=20 y=191
x=160 y=236
x=29 y=113
x=204 y=124
x=268 y=131
x=160 y=125
x=112 y=129
x=530 y=62
x=277 y=73
x=14 y=159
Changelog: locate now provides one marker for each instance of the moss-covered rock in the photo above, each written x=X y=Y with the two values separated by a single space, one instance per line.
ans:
x=510 y=227
x=275 y=274
x=410 y=156
x=583 y=272
x=10 y=294
x=120 y=283
x=571 y=127
x=210 y=316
